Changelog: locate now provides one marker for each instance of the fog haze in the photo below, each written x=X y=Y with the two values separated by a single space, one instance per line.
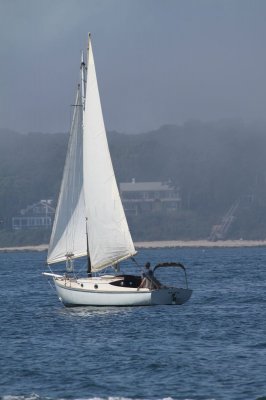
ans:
x=157 y=61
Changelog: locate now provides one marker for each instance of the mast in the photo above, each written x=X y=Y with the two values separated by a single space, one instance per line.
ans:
x=83 y=69
x=83 y=91
x=88 y=48
x=83 y=81
x=88 y=254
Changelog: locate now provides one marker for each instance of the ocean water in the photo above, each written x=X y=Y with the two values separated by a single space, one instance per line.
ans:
x=213 y=347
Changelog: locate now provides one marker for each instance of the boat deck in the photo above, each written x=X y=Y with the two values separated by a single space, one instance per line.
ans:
x=120 y=283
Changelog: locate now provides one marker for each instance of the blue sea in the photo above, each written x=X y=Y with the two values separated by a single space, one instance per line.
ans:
x=211 y=348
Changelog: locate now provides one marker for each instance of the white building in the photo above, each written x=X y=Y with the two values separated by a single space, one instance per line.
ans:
x=38 y=215
x=143 y=197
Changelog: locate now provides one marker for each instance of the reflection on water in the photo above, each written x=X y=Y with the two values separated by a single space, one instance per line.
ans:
x=90 y=312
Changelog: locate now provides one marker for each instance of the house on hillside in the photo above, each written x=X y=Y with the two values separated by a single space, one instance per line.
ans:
x=35 y=216
x=144 y=197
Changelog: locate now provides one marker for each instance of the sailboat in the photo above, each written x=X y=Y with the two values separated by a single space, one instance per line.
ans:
x=90 y=221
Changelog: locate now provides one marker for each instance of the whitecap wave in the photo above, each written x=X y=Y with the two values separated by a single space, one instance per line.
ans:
x=37 y=397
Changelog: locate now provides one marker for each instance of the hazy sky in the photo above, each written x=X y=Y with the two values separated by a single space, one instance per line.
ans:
x=157 y=61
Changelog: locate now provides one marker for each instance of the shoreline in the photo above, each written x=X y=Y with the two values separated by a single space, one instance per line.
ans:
x=162 y=244
x=200 y=243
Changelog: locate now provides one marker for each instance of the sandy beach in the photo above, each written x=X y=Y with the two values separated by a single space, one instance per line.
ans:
x=200 y=243
x=162 y=244
x=40 y=247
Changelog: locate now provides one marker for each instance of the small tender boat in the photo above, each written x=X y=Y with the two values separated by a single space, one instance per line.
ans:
x=90 y=220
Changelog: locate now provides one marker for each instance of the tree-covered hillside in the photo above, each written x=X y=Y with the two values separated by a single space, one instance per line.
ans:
x=213 y=165
x=30 y=169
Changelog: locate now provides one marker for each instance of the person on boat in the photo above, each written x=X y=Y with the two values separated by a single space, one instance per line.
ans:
x=148 y=271
x=148 y=279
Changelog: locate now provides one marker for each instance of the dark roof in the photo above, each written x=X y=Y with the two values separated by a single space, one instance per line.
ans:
x=144 y=186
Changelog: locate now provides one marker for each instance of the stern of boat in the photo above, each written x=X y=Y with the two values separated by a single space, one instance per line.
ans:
x=168 y=296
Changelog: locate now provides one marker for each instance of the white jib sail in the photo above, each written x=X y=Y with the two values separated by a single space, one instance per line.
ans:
x=69 y=229
x=109 y=236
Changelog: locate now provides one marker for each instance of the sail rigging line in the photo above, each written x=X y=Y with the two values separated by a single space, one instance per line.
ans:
x=83 y=80
x=71 y=229
x=88 y=252
x=135 y=261
x=137 y=264
x=70 y=237
x=51 y=286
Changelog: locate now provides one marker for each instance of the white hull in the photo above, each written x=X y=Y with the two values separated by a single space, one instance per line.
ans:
x=82 y=292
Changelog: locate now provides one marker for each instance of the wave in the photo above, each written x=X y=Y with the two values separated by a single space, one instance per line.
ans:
x=37 y=397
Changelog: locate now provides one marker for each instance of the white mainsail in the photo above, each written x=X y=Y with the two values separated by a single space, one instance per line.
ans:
x=69 y=229
x=109 y=237
x=89 y=190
